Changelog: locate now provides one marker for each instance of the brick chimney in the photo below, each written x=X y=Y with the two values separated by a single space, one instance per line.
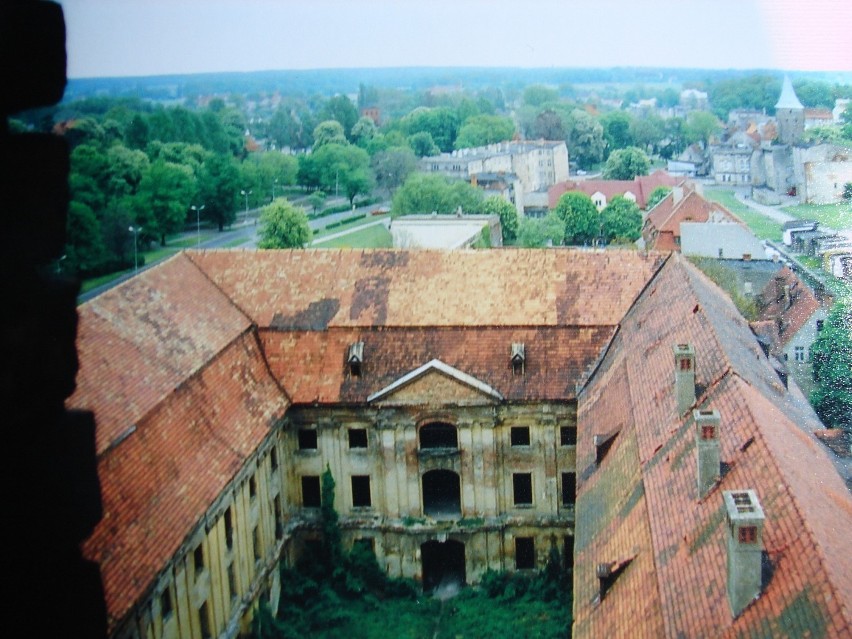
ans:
x=684 y=355
x=745 y=547
x=708 y=450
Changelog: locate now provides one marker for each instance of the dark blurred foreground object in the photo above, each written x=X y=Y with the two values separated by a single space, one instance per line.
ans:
x=48 y=453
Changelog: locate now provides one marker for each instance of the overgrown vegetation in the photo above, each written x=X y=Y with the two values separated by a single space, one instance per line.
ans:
x=332 y=594
x=724 y=280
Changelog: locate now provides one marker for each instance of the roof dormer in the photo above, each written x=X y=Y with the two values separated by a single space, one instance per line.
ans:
x=356 y=358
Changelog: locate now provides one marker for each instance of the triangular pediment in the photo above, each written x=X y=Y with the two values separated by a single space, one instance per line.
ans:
x=436 y=383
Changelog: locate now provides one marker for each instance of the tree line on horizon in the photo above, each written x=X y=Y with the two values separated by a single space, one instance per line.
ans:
x=135 y=163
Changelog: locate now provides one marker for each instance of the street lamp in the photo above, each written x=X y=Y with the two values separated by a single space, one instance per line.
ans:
x=135 y=232
x=198 y=210
x=246 y=193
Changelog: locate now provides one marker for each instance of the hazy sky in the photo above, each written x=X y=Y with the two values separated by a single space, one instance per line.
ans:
x=146 y=37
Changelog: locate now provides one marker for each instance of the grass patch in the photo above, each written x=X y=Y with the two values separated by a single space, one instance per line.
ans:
x=88 y=285
x=763 y=227
x=834 y=216
x=720 y=275
x=376 y=236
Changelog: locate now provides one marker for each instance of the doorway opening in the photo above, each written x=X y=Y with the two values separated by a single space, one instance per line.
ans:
x=443 y=565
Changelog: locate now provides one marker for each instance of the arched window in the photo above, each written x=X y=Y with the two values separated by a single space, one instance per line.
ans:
x=441 y=493
x=439 y=435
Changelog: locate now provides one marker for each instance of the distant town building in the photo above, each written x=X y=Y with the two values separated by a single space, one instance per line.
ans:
x=602 y=191
x=536 y=166
x=662 y=227
x=436 y=231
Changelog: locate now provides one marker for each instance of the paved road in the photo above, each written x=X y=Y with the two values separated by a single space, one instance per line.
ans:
x=243 y=234
x=769 y=211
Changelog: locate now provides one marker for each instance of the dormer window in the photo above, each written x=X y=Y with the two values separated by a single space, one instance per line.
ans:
x=518 y=358
x=602 y=445
x=356 y=358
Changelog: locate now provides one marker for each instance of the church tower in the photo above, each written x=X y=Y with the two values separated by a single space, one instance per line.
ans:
x=790 y=114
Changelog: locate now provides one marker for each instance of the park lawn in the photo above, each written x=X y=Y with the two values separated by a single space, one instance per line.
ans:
x=763 y=227
x=834 y=216
x=376 y=236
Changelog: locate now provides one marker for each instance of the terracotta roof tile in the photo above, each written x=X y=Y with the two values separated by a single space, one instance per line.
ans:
x=794 y=312
x=158 y=482
x=138 y=341
x=767 y=444
x=319 y=289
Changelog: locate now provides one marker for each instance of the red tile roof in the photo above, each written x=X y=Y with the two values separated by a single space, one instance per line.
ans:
x=650 y=474
x=140 y=340
x=661 y=230
x=311 y=365
x=793 y=311
x=159 y=481
x=320 y=289
x=642 y=186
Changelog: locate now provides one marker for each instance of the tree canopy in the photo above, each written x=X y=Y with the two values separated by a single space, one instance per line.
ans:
x=832 y=368
x=657 y=195
x=165 y=193
x=626 y=164
x=542 y=231
x=581 y=217
x=424 y=193
x=622 y=220
x=480 y=130
x=282 y=225
x=496 y=205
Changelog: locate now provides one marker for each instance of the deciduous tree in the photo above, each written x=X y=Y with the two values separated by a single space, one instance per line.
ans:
x=329 y=132
x=656 y=197
x=626 y=164
x=539 y=232
x=218 y=189
x=581 y=217
x=425 y=193
x=282 y=225
x=480 y=130
x=163 y=198
x=622 y=220
x=832 y=368
x=509 y=222
x=392 y=167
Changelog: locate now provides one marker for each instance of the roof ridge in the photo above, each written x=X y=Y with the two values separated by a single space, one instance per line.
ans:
x=215 y=285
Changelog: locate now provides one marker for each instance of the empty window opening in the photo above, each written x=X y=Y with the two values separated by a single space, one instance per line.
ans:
x=520 y=436
x=204 y=621
x=229 y=529
x=568 y=551
x=198 y=559
x=279 y=519
x=357 y=438
x=439 y=435
x=568 y=436
x=443 y=564
x=232 y=581
x=361 y=491
x=747 y=534
x=273 y=458
x=311 y=491
x=569 y=488
x=255 y=543
x=252 y=487
x=799 y=353
x=820 y=324
x=524 y=553
x=441 y=493
x=166 y=607
x=307 y=439
x=522 y=486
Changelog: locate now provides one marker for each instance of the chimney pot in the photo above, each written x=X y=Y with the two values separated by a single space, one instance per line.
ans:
x=745 y=520
x=707 y=447
x=684 y=355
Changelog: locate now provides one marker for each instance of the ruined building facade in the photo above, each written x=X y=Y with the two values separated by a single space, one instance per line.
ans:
x=449 y=394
